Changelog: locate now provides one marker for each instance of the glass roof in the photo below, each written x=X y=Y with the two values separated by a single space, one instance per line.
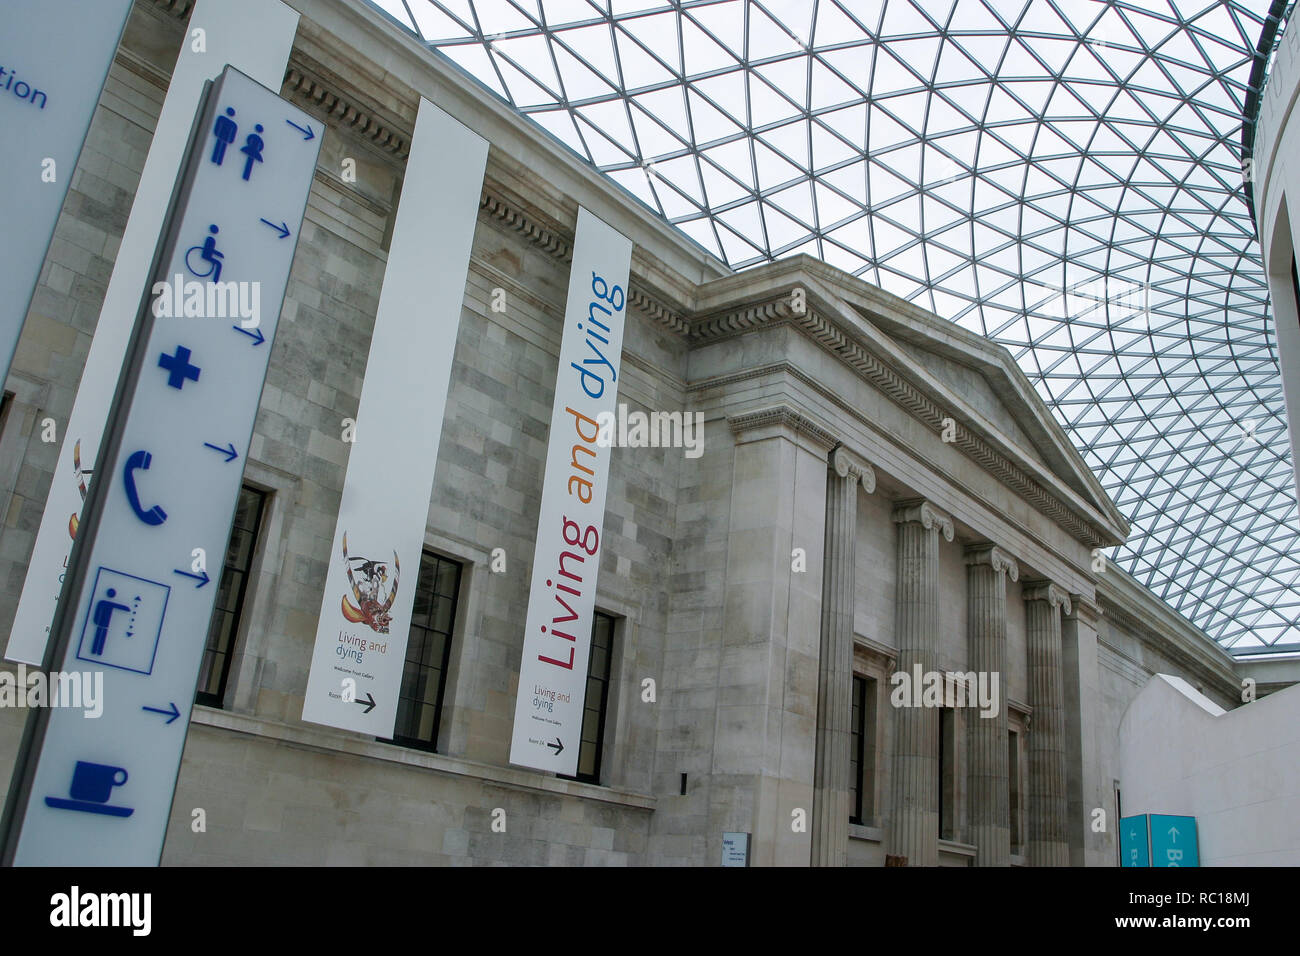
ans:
x=1062 y=177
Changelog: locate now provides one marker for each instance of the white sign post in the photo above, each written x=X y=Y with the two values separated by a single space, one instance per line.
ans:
x=365 y=617
x=141 y=583
x=547 y=731
x=54 y=56
x=220 y=33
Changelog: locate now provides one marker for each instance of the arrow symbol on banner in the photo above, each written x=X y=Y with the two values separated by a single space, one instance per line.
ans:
x=369 y=706
x=171 y=714
x=306 y=131
x=229 y=452
x=1173 y=834
x=201 y=577
x=282 y=229
x=558 y=746
x=256 y=334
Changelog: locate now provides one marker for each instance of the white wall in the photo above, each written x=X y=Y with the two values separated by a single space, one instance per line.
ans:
x=1237 y=772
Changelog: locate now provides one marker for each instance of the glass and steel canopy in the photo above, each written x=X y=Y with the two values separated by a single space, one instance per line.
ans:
x=1062 y=176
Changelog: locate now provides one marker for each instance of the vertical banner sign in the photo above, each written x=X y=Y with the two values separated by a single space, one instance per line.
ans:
x=1173 y=841
x=54 y=56
x=557 y=637
x=365 y=616
x=219 y=33
x=140 y=593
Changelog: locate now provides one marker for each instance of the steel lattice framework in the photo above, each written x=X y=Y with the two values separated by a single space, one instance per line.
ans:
x=1062 y=176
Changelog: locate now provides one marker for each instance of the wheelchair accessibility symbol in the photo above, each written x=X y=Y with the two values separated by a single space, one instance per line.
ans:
x=206 y=253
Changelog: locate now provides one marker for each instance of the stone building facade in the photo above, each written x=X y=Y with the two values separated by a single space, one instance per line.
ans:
x=880 y=493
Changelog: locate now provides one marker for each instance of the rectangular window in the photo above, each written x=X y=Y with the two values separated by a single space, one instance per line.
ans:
x=428 y=650
x=596 y=700
x=232 y=589
x=947 y=774
x=1013 y=775
x=862 y=756
x=855 y=749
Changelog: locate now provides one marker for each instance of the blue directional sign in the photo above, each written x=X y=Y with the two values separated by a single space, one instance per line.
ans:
x=140 y=586
x=1173 y=841
x=1133 y=848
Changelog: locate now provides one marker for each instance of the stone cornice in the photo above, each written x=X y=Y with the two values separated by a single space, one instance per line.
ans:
x=782 y=416
x=1046 y=591
x=305 y=80
x=926 y=514
x=854 y=467
x=995 y=557
x=778 y=310
x=547 y=239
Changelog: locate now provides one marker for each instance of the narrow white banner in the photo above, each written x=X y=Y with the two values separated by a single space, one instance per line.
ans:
x=561 y=601
x=54 y=55
x=365 y=617
x=253 y=36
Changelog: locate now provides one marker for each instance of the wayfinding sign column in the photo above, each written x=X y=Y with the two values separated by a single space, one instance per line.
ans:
x=141 y=588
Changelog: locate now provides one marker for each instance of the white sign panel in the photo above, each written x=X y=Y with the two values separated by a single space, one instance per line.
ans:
x=365 y=617
x=227 y=37
x=54 y=55
x=557 y=637
x=735 y=849
x=143 y=585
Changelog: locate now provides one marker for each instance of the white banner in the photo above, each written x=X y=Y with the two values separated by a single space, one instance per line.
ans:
x=557 y=636
x=365 y=617
x=254 y=36
x=54 y=55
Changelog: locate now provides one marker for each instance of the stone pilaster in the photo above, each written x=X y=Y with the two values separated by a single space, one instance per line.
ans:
x=914 y=812
x=987 y=569
x=1084 y=783
x=833 y=790
x=1049 y=842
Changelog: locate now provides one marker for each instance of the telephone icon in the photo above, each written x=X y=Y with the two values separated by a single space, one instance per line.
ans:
x=140 y=460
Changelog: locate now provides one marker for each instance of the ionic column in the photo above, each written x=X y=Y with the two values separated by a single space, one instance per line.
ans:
x=833 y=790
x=987 y=569
x=1049 y=841
x=914 y=813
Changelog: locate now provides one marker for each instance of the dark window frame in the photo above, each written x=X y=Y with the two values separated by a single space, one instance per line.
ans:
x=430 y=745
x=858 y=741
x=594 y=776
x=217 y=698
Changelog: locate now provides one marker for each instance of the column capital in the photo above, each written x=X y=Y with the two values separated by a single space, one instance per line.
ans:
x=991 y=554
x=1085 y=609
x=852 y=466
x=920 y=510
x=1046 y=591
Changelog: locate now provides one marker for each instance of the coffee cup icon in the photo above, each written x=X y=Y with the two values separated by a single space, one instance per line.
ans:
x=94 y=782
x=92 y=785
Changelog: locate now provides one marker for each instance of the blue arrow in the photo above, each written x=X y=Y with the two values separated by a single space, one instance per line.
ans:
x=308 y=134
x=171 y=714
x=282 y=229
x=256 y=334
x=201 y=577
x=230 y=452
